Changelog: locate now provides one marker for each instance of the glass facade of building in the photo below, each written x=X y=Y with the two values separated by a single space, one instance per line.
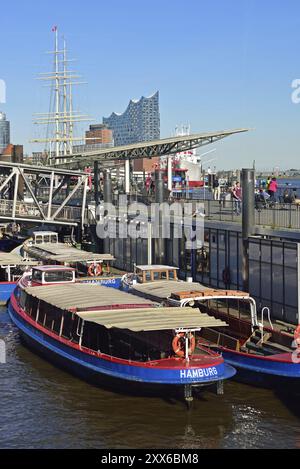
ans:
x=4 y=132
x=139 y=123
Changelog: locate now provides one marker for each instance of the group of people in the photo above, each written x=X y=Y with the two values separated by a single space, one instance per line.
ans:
x=234 y=191
x=272 y=187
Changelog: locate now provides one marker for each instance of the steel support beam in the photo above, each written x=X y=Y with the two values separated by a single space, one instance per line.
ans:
x=32 y=193
x=79 y=183
x=14 y=208
x=50 y=195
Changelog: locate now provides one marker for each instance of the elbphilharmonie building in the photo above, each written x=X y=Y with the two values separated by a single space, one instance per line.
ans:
x=140 y=122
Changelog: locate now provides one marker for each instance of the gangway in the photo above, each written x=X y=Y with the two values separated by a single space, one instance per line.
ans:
x=17 y=179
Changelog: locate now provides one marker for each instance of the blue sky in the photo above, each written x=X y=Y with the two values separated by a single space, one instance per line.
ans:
x=217 y=65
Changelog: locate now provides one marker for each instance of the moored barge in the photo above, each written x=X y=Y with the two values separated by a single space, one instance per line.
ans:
x=114 y=338
x=264 y=354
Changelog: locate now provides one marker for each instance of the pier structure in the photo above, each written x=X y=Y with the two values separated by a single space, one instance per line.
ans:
x=49 y=191
x=107 y=157
x=62 y=181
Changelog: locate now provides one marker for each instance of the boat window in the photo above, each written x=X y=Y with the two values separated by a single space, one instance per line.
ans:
x=95 y=337
x=67 y=325
x=37 y=276
x=31 y=305
x=59 y=276
x=46 y=239
x=71 y=326
x=38 y=239
x=43 y=308
x=22 y=299
x=53 y=319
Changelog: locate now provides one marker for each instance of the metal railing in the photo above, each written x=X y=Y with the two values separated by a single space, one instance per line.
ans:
x=28 y=210
x=279 y=215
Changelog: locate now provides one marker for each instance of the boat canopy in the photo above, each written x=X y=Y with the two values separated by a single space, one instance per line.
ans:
x=60 y=252
x=78 y=296
x=152 y=319
x=10 y=259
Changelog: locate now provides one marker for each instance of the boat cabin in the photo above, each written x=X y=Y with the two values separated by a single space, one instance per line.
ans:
x=150 y=273
x=41 y=237
x=48 y=274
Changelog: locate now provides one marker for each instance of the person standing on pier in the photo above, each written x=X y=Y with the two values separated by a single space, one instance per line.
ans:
x=237 y=198
x=216 y=189
x=273 y=189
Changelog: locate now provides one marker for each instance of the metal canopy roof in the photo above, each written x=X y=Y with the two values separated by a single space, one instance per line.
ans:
x=152 y=319
x=30 y=168
x=167 y=146
x=81 y=296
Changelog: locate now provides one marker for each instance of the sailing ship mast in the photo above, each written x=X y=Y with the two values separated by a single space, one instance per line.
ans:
x=62 y=118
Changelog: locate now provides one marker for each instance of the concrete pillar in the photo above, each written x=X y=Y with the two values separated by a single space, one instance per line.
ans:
x=107 y=187
x=127 y=176
x=107 y=198
x=159 y=249
x=248 y=219
x=96 y=183
x=159 y=187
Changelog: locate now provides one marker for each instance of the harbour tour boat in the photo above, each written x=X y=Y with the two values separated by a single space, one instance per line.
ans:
x=44 y=248
x=112 y=337
x=264 y=354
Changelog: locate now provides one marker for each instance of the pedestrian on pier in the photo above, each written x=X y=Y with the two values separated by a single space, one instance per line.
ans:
x=216 y=189
x=237 y=198
x=273 y=189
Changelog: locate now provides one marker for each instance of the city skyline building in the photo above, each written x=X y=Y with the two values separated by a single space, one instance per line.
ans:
x=98 y=133
x=4 y=132
x=140 y=121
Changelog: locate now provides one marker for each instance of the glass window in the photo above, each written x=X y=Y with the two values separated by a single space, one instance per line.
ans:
x=37 y=275
x=59 y=276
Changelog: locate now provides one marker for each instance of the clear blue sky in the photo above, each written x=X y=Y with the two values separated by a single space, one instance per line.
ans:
x=217 y=64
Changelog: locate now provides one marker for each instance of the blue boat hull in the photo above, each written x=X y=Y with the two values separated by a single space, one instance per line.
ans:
x=108 y=373
x=260 y=372
x=6 y=289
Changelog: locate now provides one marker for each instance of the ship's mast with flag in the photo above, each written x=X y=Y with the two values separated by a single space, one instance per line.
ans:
x=59 y=121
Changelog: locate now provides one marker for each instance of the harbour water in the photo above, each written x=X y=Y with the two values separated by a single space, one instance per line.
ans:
x=45 y=407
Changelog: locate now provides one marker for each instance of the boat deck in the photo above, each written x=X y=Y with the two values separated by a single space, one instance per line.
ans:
x=162 y=289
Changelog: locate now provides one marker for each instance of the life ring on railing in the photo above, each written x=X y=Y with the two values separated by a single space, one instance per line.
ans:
x=297 y=334
x=178 y=344
x=91 y=270
x=98 y=269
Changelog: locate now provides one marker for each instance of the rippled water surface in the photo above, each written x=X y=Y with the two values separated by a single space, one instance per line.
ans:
x=44 y=407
